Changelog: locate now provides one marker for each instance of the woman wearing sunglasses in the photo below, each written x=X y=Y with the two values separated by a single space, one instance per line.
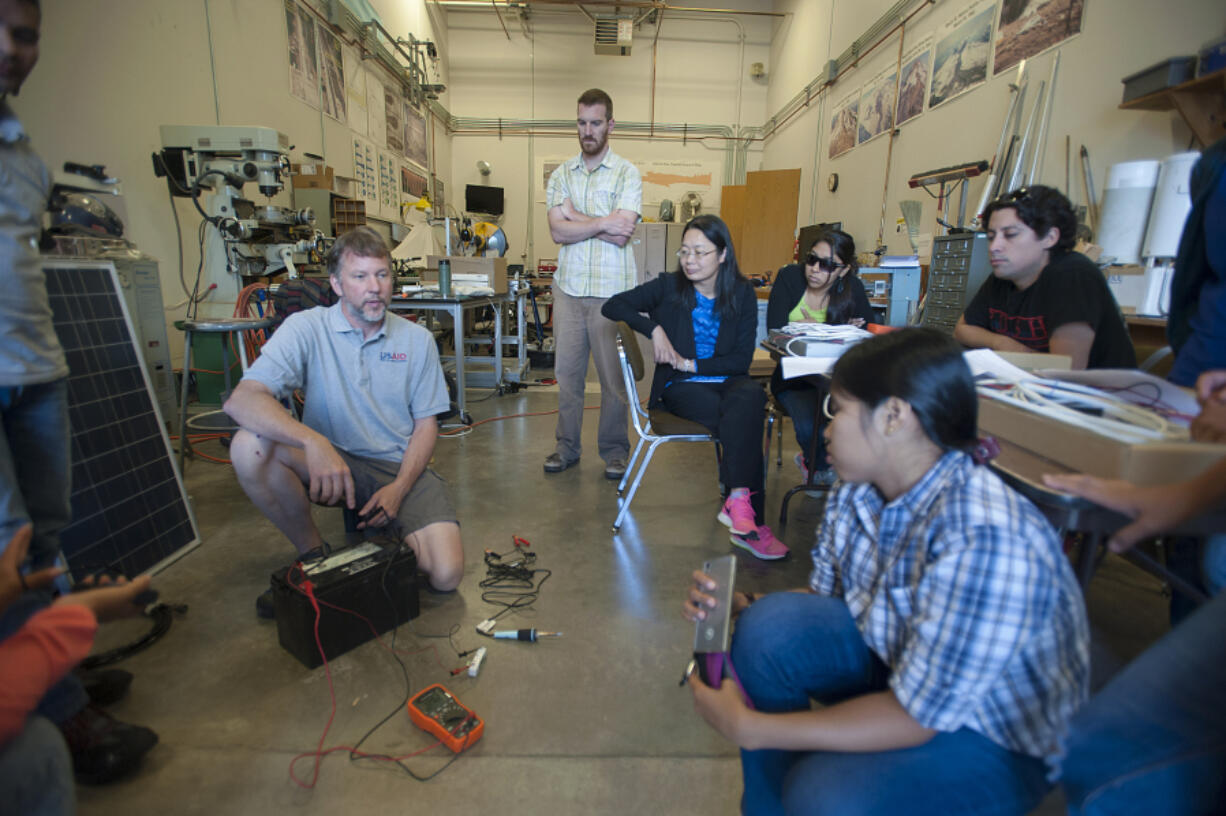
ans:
x=825 y=289
x=942 y=631
x=703 y=322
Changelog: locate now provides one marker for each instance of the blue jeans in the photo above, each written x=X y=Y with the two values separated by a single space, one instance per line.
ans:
x=1154 y=739
x=35 y=486
x=802 y=405
x=790 y=648
x=36 y=772
x=35 y=481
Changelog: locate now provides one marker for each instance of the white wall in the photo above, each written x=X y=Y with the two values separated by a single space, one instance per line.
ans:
x=1119 y=37
x=701 y=69
x=110 y=73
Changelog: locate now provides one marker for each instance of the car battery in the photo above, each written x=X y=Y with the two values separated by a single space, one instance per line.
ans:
x=377 y=583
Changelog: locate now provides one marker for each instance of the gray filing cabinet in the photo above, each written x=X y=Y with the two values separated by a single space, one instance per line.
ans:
x=959 y=267
x=655 y=248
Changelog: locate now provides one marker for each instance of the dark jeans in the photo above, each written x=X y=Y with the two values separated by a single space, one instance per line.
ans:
x=802 y=404
x=35 y=487
x=735 y=411
x=1154 y=739
x=790 y=648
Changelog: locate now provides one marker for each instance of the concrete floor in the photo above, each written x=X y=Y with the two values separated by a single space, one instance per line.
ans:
x=592 y=722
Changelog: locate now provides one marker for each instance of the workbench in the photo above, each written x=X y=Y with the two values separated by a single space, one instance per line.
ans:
x=486 y=370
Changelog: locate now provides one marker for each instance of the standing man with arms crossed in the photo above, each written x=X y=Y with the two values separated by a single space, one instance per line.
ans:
x=374 y=389
x=594 y=202
x=34 y=454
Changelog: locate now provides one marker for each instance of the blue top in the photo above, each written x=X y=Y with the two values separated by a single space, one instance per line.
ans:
x=960 y=586
x=364 y=395
x=706 y=331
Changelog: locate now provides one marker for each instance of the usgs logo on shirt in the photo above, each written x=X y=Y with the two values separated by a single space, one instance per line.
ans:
x=393 y=357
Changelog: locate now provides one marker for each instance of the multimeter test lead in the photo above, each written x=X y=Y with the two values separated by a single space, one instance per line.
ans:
x=529 y=635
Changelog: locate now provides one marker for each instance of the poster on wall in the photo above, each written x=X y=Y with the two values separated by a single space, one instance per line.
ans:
x=303 y=64
x=843 y=124
x=913 y=89
x=961 y=59
x=877 y=98
x=414 y=136
x=366 y=172
x=678 y=179
x=672 y=179
x=411 y=182
x=1025 y=28
x=389 y=186
x=376 y=118
x=393 y=106
x=332 y=75
x=355 y=92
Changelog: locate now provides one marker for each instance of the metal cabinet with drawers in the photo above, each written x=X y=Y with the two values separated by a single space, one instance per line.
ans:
x=959 y=267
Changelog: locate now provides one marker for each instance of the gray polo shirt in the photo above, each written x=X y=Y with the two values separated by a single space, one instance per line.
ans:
x=30 y=352
x=363 y=395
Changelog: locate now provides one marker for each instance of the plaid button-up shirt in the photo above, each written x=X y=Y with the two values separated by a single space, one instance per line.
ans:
x=596 y=268
x=960 y=586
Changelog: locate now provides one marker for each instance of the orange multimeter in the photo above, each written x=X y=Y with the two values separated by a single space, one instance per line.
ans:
x=436 y=710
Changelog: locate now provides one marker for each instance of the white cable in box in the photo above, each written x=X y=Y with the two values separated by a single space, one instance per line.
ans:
x=1069 y=447
x=473 y=270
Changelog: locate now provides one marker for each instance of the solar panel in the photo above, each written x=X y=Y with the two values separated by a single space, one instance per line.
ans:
x=129 y=509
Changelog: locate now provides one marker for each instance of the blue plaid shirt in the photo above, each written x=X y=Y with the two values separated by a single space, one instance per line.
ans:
x=960 y=586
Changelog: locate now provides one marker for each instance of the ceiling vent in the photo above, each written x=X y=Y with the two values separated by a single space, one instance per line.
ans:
x=614 y=35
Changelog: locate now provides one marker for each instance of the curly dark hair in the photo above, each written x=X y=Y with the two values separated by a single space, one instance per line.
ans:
x=1040 y=208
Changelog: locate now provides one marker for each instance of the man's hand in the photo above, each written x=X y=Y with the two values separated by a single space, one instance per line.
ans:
x=1155 y=509
x=383 y=506
x=722 y=708
x=1211 y=385
x=11 y=584
x=109 y=602
x=1210 y=424
x=331 y=480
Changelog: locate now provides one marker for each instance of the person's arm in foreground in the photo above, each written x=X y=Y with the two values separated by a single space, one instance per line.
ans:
x=1158 y=508
x=53 y=640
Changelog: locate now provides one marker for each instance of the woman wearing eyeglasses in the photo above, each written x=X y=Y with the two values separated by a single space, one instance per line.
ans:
x=942 y=630
x=825 y=289
x=702 y=321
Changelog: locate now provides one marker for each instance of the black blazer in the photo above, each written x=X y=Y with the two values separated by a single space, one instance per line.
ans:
x=656 y=303
x=786 y=291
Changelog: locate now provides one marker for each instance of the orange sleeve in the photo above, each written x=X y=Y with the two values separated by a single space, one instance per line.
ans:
x=37 y=655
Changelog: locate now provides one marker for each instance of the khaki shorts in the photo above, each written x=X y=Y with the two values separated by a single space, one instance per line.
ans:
x=426 y=503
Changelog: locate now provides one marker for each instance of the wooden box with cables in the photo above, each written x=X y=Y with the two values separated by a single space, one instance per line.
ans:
x=1131 y=430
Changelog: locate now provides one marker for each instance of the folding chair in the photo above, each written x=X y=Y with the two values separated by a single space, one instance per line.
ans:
x=654 y=427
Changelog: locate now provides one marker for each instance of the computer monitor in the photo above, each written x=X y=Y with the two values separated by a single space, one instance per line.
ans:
x=481 y=199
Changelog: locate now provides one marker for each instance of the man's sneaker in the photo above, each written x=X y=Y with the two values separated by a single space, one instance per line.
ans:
x=103 y=748
x=554 y=463
x=737 y=515
x=761 y=544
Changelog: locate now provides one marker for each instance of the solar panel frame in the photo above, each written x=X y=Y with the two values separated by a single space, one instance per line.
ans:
x=130 y=511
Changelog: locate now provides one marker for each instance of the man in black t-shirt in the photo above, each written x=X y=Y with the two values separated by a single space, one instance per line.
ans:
x=1042 y=296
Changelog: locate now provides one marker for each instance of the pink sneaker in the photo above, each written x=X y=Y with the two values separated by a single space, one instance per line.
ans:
x=737 y=515
x=762 y=544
